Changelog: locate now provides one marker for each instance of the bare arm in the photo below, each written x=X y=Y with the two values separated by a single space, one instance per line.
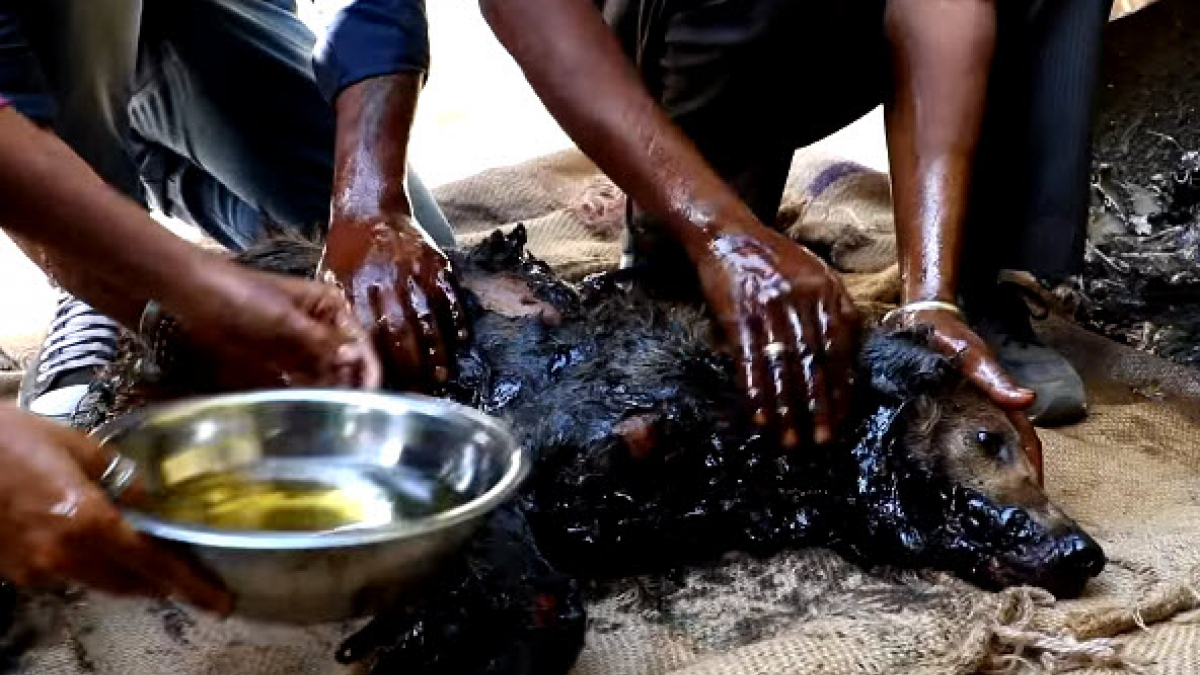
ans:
x=576 y=66
x=374 y=121
x=942 y=57
x=787 y=315
x=398 y=281
x=93 y=240
x=942 y=54
x=107 y=250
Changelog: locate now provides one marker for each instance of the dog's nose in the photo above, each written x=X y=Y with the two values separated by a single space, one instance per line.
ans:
x=1076 y=558
x=1080 y=554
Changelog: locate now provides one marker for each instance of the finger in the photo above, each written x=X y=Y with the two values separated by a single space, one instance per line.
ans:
x=92 y=458
x=350 y=361
x=990 y=376
x=755 y=381
x=1031 y=444
x=95 y=460
x=322 y=321
x=363 y=305
x=976 y=362
x=355 y=363
x=174 y=576
x=367 y=359
x=112 y=576
x=842 y=332
x=786 y=381
x=436 y=358
x=358 y=365
x=106 y=569
x=91 y=550
x=338 y=312
x=812 y=363
x=841 y=356
x=359 y=362
x=306 y=351
x=326 y=302
x=398 y=335
x=454 y=305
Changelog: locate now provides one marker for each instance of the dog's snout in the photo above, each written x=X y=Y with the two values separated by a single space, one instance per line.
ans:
x=1080 y=554
x=1075 y=559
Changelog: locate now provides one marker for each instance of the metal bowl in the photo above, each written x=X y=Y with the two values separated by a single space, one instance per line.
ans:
x=441 y=465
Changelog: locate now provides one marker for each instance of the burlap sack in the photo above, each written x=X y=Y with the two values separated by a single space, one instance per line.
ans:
x=1130 y=473
x=841 y=209
x=573 y=213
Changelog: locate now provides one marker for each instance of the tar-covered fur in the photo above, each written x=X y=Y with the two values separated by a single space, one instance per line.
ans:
x=645 y=460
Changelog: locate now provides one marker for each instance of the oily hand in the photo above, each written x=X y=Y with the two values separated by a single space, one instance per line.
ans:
x=56 y=526
x=795 y=327
x=955 y=340
x=402 y=288
x=282 y=330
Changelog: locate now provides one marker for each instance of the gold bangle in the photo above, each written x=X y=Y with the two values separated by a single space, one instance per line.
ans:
x=923 y=305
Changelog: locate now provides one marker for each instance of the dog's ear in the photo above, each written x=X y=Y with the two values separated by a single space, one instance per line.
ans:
x=901 y=365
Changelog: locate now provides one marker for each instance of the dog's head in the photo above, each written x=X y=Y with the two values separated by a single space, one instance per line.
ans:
x=943 y=481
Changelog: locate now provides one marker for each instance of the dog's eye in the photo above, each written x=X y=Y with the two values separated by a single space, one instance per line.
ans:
x=991 y=442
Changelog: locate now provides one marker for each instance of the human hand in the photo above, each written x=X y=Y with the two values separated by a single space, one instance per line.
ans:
x=272 y=329
x=794 y=325
x=402 y=288
x=57 y=526
x=952 y=338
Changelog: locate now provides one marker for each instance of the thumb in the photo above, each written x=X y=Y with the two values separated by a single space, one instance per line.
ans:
x=310 y=313
x=976 y=363
x=987 y=374
x=175 y=574
x=91 y=458
x=338 y=347
x=358 y=366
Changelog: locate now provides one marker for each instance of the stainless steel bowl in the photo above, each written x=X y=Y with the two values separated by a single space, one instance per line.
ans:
x=348 y=440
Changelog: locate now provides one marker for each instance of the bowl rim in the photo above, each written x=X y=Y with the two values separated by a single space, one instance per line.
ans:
x=518 y=469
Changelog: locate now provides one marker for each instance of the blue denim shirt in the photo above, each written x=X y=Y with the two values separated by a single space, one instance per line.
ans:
x=368 y=38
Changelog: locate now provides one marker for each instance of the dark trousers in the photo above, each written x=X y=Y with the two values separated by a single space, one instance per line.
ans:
x=750 y=81
x=205 y=109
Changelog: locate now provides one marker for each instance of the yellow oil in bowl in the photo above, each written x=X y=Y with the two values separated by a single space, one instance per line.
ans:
x=260 y=500
x=232 y=501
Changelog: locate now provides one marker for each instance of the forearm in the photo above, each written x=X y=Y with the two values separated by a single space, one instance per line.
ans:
x=577 y=68
x=942 y=52
x=96 y=243
x=72 y=274
x=374 y=121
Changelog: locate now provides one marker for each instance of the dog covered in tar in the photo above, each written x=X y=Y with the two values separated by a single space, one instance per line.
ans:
x=645 y=460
